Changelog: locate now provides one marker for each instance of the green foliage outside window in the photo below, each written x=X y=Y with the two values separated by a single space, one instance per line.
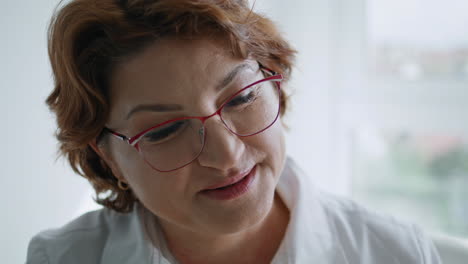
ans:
x=421 y=179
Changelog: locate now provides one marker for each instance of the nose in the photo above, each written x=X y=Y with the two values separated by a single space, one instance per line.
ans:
x=223 y=149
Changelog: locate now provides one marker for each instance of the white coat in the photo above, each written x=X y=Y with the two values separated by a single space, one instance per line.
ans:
x=322 y=229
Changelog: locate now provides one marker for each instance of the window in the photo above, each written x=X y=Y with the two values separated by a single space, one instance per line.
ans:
x=422 y=177
x=402 y=112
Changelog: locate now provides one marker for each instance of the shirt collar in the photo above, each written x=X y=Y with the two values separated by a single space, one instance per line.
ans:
x=309 y=234
x=128 y=242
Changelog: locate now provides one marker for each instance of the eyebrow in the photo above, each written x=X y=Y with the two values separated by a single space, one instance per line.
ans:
x=175 y=107
x=228 y=79
x=154 y=108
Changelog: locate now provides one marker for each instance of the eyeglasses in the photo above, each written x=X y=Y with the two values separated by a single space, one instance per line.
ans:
x=176 y=143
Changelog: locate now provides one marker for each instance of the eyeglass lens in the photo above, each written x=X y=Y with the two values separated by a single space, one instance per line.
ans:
x=178 y=143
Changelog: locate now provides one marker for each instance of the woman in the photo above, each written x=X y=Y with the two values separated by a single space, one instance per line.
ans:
x=172 y=110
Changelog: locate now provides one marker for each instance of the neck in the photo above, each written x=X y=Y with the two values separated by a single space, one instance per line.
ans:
x=255 y=245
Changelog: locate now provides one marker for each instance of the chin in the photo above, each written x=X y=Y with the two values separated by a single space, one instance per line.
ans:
x=243 y=214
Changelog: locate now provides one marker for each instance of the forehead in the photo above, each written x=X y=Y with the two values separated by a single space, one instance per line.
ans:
x=170 y=71
x=179 y=57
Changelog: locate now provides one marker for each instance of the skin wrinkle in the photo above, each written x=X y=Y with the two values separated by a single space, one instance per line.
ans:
x=197 y=228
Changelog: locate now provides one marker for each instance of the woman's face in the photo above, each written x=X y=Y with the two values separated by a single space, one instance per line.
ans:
x=185 y=76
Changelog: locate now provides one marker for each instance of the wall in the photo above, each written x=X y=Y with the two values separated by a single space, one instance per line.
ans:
x=37 y=191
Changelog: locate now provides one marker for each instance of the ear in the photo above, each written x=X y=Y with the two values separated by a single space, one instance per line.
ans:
x=107 y=159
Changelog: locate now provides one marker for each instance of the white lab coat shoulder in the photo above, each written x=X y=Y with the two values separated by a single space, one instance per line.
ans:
x=101 y=236
x=363 y=236
x=325 y=228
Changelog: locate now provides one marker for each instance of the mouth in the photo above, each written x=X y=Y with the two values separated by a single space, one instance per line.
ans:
x=234 y=188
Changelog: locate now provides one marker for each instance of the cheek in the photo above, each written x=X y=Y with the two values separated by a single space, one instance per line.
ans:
x=151 y=187
x=272 y=141
x=278 y=147
x=270 y=147
x=128 y=161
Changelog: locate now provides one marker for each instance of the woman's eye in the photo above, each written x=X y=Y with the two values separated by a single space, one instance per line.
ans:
x=162 y=133
x=242 y=99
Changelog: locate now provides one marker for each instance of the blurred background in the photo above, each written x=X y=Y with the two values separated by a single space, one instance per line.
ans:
x=379 y=112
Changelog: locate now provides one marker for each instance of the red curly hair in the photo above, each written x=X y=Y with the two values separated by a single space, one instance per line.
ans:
x=88 y=38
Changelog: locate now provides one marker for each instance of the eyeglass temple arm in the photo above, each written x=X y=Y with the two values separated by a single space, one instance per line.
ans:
x=115 y=134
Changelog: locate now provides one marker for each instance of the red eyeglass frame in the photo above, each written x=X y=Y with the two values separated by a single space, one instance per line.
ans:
x=133 y=141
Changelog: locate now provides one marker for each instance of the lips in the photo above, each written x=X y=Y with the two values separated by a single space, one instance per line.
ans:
x=229 y=181
x=232 y=187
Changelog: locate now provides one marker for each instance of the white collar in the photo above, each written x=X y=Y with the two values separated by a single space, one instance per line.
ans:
x=131 y=238
x=309 y=235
